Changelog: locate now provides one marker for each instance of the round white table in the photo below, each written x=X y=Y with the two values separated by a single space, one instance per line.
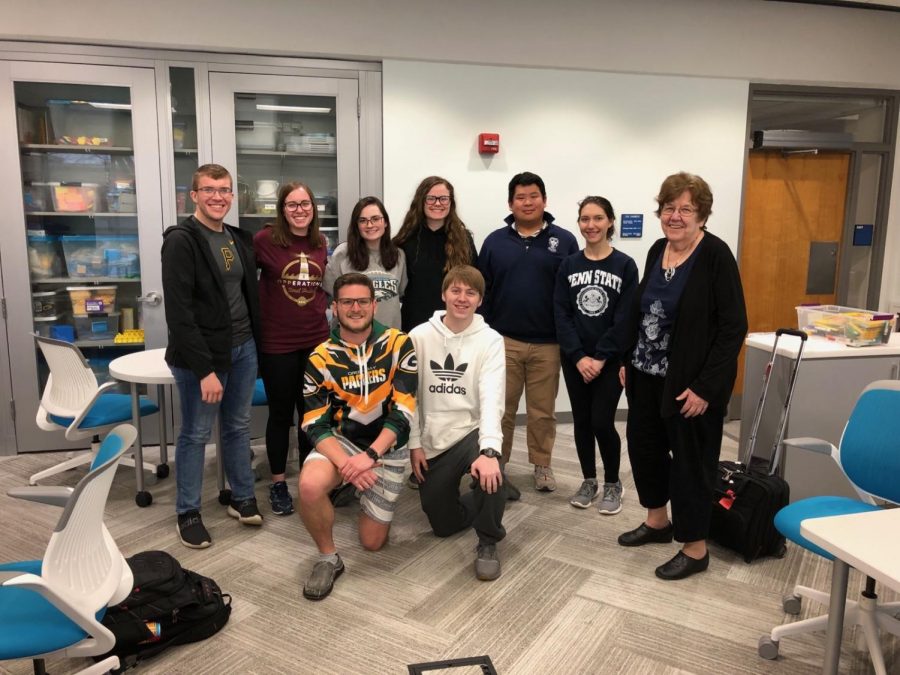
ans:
x=146 y=367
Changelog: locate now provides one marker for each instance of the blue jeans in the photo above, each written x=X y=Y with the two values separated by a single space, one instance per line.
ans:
x=197 y=419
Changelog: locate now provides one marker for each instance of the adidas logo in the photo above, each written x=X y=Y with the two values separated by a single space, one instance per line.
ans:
x=447 y=374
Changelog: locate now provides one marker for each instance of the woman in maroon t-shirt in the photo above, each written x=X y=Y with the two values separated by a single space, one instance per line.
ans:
x=291 y=255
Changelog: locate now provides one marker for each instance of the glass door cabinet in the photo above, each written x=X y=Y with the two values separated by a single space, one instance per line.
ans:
x=85 y=223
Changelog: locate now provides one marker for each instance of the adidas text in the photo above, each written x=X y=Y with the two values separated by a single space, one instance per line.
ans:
x=446 y=388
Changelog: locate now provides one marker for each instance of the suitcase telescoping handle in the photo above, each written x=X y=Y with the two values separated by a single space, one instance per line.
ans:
x=779 y=435
x=790 y=331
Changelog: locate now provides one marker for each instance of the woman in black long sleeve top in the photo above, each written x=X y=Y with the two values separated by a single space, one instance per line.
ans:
x=434 y=239
x=687 y=326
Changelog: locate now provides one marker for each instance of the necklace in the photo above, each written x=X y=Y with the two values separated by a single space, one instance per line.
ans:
x=669 y=272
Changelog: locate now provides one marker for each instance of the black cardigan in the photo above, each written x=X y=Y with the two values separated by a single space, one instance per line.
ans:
x=709 y=328
x=197 y=311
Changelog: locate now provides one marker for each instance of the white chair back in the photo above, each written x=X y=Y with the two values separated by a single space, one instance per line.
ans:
x=81 y=559
x=72 y=384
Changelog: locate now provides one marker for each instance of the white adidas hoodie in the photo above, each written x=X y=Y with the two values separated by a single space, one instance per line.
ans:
x=462 y=385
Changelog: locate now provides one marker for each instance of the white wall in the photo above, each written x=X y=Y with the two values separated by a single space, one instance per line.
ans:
x=583 y=133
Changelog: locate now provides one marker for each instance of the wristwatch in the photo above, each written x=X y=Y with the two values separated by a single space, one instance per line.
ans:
x=490 y=452
x=374 y=456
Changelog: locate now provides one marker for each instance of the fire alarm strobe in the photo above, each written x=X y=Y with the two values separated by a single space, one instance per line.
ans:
x=489 y=143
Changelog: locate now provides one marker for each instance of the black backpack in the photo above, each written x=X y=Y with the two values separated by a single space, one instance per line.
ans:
x=168 y=606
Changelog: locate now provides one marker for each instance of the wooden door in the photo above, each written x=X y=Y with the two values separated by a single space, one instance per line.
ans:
x=789 y=201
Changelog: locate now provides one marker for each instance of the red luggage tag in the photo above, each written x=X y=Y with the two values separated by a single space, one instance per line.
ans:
x=727 y=501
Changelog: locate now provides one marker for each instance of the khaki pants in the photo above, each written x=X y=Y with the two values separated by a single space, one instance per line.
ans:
x=535 y=367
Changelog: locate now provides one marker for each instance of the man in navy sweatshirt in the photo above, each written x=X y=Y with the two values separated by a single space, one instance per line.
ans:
x=519 y=263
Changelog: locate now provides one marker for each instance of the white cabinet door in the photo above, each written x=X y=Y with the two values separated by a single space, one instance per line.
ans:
x=269 y=130
x=83 y=222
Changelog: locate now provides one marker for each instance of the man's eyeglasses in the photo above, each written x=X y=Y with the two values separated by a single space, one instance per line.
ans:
x=375 y=220
x=437 y=199
x=347 y=303
x=683 y=211
x=210 y=191
x=306 y=205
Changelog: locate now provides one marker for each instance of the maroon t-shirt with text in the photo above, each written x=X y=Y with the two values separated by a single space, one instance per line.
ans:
x=291 y=300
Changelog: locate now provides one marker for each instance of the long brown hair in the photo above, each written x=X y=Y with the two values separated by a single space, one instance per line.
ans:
x=458 y=249
x=281 y=230
x=358 y=251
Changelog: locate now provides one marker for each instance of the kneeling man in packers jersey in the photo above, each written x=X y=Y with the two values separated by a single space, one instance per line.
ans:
x=359 y=393
x=462 y=379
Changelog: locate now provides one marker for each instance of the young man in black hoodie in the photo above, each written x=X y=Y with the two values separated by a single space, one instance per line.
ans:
x=212 y=313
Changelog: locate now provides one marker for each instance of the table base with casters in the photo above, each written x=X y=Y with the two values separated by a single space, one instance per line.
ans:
x=147 y=367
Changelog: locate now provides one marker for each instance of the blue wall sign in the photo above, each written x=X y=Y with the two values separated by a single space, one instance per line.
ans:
x=631 y=225
x=862 y=235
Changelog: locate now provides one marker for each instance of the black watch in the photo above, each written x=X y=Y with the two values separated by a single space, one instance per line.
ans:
x=490 y=452
x=374 y=456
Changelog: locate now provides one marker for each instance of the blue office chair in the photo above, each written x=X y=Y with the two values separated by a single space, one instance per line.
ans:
x=54 y=606
x=74 y=402
x=869 y=456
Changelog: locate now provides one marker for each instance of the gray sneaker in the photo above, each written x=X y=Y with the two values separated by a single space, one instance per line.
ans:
x=321 y=579
x=544 y=481
x=586 y=494
x=611 y=503
x=487 y=564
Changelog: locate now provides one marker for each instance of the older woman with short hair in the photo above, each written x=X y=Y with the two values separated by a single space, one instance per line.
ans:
x=687 y=326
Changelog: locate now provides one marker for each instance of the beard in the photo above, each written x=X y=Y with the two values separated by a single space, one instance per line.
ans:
x=345 y=325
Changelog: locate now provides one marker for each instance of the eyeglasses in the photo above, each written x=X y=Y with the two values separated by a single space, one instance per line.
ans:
x=683 y=211
x=306 y=205
x=375 y=220
x=437 y=199
x=347 y=303
x=210 y=191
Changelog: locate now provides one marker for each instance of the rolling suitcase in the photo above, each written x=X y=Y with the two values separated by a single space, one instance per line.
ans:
x=749 y=494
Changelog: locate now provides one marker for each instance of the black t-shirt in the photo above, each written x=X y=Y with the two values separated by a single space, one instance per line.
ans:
x=226 y=256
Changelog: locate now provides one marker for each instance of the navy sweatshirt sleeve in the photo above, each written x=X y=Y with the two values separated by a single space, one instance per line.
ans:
x=612 y=344
x=564 y=313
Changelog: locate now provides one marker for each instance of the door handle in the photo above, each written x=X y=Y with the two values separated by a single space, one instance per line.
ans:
x=152 y=298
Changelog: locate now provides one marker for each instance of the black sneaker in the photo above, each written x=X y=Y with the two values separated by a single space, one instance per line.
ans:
x=191 y=530
x=245 y=511
x=280 y=499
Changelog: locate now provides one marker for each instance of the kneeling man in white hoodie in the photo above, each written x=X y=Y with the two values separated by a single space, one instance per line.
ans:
x=456 y=430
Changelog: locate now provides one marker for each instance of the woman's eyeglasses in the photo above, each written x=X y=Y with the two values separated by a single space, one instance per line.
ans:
x=306 y=205
x=683 y=211
x=443 y=200
x=374 y=220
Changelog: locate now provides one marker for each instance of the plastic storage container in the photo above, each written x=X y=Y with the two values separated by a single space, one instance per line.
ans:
x=96 y=326
x=854 y=327
x=74 y=197
x=45 y=303
x=102 y=255
x=44 y=259
x=36 y=197
x=44 y=324
x=92 y=299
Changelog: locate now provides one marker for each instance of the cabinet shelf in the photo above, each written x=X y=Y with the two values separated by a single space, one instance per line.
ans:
x=284 y=153
x=185 y=151
x=82 y=281
x=81 y=214
x=107 y=343
x=83 y=149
